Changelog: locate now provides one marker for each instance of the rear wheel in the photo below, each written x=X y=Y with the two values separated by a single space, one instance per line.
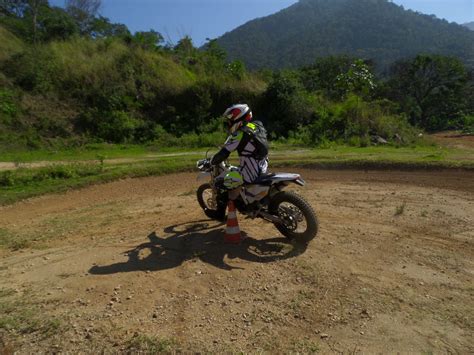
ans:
x=298 y=219
x=212 y=207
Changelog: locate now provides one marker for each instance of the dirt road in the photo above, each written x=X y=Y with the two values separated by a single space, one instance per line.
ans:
x=134 y=264
x=40 y=164
x=8 y=165
x=453 y=139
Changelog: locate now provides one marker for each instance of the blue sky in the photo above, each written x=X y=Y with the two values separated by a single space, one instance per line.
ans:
x=211 y=18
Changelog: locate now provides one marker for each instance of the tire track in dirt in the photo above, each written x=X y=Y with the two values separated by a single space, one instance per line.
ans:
x=136 y=256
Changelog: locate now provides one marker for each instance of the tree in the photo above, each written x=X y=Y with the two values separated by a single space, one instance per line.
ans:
x=24 y=17
x=148 y=39
x=185 y=47
x=358 y=79
x=186 y=52
x=13 y=7
x=321 y=76
x=214 y=56
x=286 y=104
x=102 y=27
x=33 y=10
x=26 y=14
x=236 y=69
x=89 y=7
x=12 y=17
x=431 y=89
x=56 y=24
x=36 y=21
x=84 y=12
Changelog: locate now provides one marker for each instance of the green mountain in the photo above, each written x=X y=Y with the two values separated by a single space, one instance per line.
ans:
x=369 y=29
x=470 y=25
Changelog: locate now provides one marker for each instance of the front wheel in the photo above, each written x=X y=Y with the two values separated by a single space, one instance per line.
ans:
x=212 y=207
x=298 y=219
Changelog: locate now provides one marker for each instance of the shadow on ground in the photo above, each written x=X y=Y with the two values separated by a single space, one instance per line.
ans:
x=199 y=240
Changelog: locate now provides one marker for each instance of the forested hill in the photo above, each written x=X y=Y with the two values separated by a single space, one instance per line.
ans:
x=370 y=29
x=70 y=77
x=470 y=25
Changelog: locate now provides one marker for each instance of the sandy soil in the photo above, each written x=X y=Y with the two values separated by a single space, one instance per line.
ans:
x=391 y=270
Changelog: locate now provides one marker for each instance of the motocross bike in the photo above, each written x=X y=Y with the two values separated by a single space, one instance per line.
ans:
x=264 y=198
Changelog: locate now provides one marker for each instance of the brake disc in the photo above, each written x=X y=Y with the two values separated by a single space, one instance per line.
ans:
x=288 y=218
x=212 y=201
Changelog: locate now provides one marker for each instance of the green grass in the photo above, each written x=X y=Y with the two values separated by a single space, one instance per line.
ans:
x=88 y=152
x=98 y=152
x=400 y=210
x=305 y=347
x=26 y=182
x=423 y=156
x=13 y=241
x=22 y=183
x=19 y=316
x=150 y=345
x=9 y=44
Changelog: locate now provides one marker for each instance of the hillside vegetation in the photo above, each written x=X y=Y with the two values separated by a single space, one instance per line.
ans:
x=368 y=29
x=67 y=81
x=470 y=25
x=9 y=45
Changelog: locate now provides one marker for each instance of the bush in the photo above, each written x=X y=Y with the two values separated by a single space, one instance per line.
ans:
x=9 y=44
x=190 y=140
x=114 y=126
x=8 y=106
x=433 y=91
x=468 y=124
x=118 y=127
x=286 y=104
x=118 y=91
x=6 y=179
x=33 y=70
x=110 y=86
x=354 y=122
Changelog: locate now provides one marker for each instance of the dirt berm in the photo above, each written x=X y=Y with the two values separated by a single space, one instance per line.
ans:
x=134 y=265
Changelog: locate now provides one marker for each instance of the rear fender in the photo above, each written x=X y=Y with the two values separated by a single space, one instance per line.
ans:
x=276 y=188
x=298 y=181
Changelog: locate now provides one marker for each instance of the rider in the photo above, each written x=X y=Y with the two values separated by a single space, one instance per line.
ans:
x=249 y=138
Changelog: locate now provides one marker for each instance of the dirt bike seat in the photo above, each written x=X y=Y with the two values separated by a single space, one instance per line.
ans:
x=271 y=178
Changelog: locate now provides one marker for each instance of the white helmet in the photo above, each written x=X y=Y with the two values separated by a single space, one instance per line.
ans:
x=236 y=116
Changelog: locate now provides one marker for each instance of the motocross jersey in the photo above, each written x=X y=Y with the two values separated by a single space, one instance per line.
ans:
x=252 y=162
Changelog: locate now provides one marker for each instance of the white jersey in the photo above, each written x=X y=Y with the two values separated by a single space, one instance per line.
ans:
x=250 y=168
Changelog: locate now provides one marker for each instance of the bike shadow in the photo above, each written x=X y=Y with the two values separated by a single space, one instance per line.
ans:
x=200 y=240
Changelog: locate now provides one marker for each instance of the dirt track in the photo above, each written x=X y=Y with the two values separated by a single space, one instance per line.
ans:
x=392 y=269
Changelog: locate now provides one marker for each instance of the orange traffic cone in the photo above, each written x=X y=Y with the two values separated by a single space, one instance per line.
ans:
x=232 y=231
